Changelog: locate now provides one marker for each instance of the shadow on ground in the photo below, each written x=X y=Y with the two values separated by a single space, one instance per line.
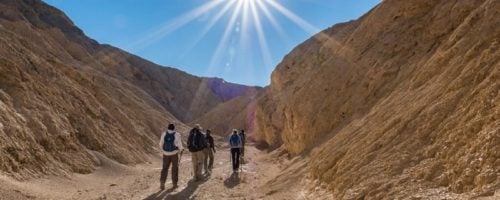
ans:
x=232 y=181
x=185 y=193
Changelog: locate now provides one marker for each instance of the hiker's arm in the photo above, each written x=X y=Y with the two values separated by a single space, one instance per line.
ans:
x=178 y=142
x=162 y=138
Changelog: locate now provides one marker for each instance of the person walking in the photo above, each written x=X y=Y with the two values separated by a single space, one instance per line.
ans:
x=205 y=155
x=235 y=145
x=196 y=144
x=171 y=144
x=243 y=139
x=208 y=164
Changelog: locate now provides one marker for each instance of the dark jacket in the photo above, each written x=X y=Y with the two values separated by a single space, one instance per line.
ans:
x=210 y=142
x=196 y=140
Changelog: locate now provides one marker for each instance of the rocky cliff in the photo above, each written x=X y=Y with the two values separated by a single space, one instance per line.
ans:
x=401 y=101
x=64 y=97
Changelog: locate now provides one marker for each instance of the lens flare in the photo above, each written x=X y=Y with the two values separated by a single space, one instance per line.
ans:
x=245 y=18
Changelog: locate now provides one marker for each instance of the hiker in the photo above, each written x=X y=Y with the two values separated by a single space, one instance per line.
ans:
x=196 y=144
x=205 y=155
x=243 y=139
x=209 y=151
x=235 y=145
x=171 y=144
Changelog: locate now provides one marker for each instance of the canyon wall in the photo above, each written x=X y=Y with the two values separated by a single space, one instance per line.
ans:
x=404 y=99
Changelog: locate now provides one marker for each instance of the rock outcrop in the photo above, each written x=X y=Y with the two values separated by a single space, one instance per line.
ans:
x=63 y=96
x=401 y=101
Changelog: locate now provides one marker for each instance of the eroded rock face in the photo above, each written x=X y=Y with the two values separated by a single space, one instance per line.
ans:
x=56 y=107
x=405 y=97
x=63 y=96
x=237 y=113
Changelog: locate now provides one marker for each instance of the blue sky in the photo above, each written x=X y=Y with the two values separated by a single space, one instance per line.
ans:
x=197 y=37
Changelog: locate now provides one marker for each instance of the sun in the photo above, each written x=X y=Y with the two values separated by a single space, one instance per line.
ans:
x=252 y=13
x=243 y=15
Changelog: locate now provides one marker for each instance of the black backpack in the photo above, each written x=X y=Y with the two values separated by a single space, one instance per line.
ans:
x=196 y=141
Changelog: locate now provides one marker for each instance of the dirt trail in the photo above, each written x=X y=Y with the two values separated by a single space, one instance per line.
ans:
x=115 y=181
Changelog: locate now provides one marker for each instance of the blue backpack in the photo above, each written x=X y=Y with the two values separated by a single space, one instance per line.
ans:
x=234 y=140
x=168 y=142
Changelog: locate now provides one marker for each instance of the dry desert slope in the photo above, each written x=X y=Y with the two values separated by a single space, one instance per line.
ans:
x=402 y=100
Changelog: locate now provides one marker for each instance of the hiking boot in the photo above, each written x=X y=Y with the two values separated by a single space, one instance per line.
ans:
x=162 y=186
x=175 y=186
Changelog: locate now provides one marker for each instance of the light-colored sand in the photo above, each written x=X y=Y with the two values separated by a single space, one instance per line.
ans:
x=115 y=181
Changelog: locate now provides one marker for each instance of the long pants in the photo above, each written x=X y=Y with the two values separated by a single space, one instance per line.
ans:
x=208 y=162
x=197 y=158
x=167 y=160
x=235 y=157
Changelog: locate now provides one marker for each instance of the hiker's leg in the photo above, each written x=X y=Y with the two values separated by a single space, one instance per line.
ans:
x=210 y=159
x=237 y=158
x=200 y=164
x=233 y=158
x=168 y=160
x=195 y=164
x=205 y=160
x=202 y=156
x=175 y=169
x=164 y=170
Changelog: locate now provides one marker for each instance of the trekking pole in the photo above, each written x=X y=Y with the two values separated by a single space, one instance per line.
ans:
x=231 y=159
x=180 y=158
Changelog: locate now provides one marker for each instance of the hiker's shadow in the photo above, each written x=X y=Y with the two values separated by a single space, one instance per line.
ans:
x=232 y=181
x=183 y=194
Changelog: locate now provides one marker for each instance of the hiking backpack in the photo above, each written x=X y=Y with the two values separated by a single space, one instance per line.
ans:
x=168 y=142
x=234 y=140
x=196 y=141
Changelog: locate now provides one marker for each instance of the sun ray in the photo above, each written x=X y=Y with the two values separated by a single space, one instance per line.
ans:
x=218 y=50
x=225 y=36
x=306 y=26
x=244 y=39
x=293 y=17
x=244 y=19
x=265 y=52
x=262 y=7
x=209 y=26
x=174 y=25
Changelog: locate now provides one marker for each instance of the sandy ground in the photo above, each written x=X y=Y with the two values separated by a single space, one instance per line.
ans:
x=115 y=181
x=264 y=176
